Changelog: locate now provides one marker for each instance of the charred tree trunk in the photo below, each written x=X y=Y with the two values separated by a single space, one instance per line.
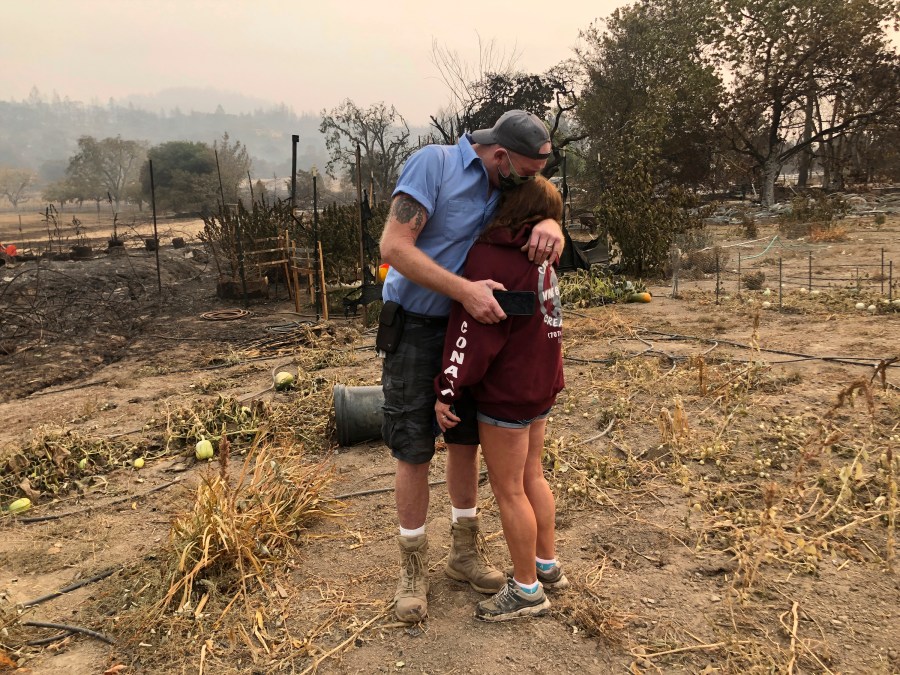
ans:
x=806 y=155
x=770 y=171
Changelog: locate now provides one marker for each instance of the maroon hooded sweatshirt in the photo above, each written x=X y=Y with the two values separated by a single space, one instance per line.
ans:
x=512 y=368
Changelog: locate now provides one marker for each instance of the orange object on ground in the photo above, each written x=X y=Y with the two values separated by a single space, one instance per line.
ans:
x=11 y=250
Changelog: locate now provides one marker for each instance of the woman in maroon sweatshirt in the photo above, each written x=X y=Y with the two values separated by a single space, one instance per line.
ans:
x=513 y=371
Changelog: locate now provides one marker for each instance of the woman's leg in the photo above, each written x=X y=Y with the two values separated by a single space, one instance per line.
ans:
x=505 y=452
x=539 y=494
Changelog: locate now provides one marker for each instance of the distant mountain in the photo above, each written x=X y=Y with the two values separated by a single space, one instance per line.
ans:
x=197 y=99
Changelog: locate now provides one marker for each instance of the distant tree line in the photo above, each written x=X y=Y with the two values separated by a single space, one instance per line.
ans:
x=41 y=132
x=187 y=176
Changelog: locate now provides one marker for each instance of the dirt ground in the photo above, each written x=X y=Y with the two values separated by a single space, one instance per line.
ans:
x=725 y=476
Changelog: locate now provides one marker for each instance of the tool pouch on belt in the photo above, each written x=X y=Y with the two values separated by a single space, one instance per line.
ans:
x=390 y=327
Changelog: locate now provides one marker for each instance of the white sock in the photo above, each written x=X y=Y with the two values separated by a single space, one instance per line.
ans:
x=531 y=589
x=545 y=565
x=463 y=513
x=412 y=533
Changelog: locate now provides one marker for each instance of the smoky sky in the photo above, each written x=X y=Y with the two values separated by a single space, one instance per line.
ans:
x=307 y=55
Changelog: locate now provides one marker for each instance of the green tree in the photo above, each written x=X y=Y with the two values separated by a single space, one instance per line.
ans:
x=103 y=169
x=648 y=107
x=14 y=182
x=804 y=73
x=652 y=92
x=184 y=175
x=382 y=135
x=234 y=164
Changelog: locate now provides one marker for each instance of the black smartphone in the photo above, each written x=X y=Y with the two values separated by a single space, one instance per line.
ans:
x=516 y=303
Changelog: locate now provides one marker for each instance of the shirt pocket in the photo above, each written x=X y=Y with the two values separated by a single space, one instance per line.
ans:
x=463 y=220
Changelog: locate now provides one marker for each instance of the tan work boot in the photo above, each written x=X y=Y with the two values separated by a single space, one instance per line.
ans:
x=411 y=603
x=468 y=560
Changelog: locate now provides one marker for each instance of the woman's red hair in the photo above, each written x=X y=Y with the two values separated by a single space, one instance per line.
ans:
x=528 y=204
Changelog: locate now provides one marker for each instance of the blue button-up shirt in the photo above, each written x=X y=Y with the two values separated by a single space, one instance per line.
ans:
x=450 y=181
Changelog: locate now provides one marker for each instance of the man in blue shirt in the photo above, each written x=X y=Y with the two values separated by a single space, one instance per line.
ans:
x=444 y=198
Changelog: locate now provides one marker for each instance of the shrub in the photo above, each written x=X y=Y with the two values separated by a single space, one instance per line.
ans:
x=642 y=223
x=753 y=281
x=751 y=229
x=338 y=227
x=831 y=233
x=807 y=213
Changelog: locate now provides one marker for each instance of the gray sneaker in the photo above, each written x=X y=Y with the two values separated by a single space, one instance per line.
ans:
x=554 y=580
x=511 y=602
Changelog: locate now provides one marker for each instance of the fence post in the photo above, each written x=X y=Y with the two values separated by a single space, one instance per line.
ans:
x=239 y=237
x=809 y=287
x=675 y=262
x=780 y=284
x=155 y=233
x=716 y=251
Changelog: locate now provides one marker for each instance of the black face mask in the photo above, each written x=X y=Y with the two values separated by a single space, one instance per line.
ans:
x=513 y=179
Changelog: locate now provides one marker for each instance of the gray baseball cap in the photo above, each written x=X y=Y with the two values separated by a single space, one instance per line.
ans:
x=519 y=131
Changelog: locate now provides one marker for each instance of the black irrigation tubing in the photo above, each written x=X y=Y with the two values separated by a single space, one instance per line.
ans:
x=851 y=265
x=69 y=588
x=674 y=359
x=846 y=360
x=50 y=640
x=578 y=360
x=69 y=388
x=72 y=629
x=805 y=277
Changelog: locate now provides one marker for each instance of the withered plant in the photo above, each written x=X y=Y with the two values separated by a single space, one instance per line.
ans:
x=238 y=527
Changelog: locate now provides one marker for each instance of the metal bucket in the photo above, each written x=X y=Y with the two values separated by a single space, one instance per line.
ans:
x=357 y=413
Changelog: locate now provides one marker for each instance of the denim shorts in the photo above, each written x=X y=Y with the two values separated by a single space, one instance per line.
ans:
x=511 y=424
x=409 y=426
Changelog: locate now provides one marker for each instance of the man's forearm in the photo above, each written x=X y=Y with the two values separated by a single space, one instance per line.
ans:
x=416 y=266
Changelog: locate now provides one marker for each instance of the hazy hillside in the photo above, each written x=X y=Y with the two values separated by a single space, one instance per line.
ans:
x=199 y=99
x=41 y=132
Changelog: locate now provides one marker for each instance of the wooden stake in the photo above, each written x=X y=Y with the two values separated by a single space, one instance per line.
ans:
x=322 y=281
x=292 y=252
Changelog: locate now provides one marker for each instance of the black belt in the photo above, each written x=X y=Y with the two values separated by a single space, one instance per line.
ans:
x=425 y=320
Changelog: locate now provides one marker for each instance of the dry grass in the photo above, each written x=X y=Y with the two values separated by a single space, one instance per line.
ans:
x=776 y=493
x=226 y=589
x=239 y=527
x=819 y=234
x=585 y=607
x=771 y=492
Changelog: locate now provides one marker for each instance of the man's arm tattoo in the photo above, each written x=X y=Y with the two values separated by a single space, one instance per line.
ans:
x=407 y=210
